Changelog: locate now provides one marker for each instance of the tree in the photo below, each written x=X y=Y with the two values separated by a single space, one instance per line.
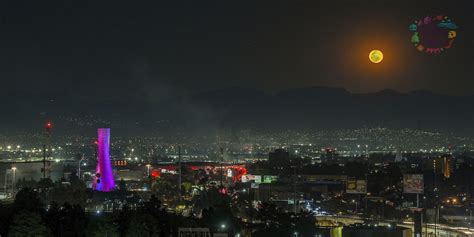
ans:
x=153 y=207
x=221 y=215
x=284 y=224
x=268 y=213
x=209 y=198
x=45 y=184
x=73 y=220
x=74 y=194
x=101 y=227
x=143 y=224
x=27 y=199
x=165 y=190
x=6 y=216
x=53 y=217
x=123 y=219
x=186 y=188
x=122 y=185
x=305 y=223
x=28 y=224
x=66 y=220
x=23 y=183
x=155 y=217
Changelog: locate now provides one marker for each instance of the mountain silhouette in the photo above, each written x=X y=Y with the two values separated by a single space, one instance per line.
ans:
x=297 y=108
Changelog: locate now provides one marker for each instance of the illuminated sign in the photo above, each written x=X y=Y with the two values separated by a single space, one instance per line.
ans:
x=249 y=178
x=356 y=186
x=268 y=179
x=413 y=183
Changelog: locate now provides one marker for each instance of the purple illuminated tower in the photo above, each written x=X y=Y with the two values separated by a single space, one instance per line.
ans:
x=104 y=180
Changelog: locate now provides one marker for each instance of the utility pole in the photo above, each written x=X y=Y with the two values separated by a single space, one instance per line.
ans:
x=417 y=200
x=357 y=207
x=44 y=161
x=426 y=228
x=46 y=145
x=79 y=167
x=294 y=190
x=179 y=171
x=14 y=181
x=470 y=217
x=356 y=203
x=222 y=166
x=366 y=189
x=436 y=220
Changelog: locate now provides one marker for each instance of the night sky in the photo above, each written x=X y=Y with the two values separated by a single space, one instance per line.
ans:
x=111 y=49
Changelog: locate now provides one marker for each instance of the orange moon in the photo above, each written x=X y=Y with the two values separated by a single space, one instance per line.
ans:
x=376 y=56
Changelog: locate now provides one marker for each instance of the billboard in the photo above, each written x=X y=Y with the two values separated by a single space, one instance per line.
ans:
x=246 y=178
x=251 y=178
x=268 y=179
x=356 y=186
x=413 y=183
x=264 y=179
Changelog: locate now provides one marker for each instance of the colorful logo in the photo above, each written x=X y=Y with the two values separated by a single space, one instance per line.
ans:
x=433 y=34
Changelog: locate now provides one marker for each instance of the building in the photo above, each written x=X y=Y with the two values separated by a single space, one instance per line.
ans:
x=443 y=165
x=193 y=232
x=104 y=179
x=279 y=155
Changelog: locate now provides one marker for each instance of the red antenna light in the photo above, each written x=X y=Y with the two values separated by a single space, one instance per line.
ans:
x=49 y=125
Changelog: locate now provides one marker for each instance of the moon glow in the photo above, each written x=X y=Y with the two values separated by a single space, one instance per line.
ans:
x=376 y=56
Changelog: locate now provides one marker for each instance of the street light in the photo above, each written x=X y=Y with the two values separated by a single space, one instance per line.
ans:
x=454 y=200
x=356 y=206
x=79 y=168
x=14 y=179
x=148 y=170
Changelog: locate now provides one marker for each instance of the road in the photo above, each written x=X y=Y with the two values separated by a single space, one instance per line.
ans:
x=442 y=230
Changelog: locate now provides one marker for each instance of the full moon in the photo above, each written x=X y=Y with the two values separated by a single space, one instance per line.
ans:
x=376 y=56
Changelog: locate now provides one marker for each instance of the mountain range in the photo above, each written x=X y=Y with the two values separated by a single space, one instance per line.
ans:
x=300 y=108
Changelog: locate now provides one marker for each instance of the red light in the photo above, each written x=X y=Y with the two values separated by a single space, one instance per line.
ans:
x=155 y=173
x=49 y=125
x=96 y=142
